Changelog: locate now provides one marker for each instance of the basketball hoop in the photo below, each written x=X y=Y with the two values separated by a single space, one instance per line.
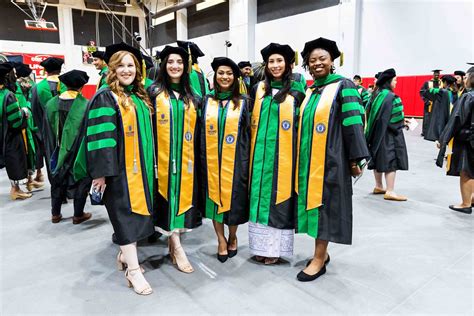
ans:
x=40 y=25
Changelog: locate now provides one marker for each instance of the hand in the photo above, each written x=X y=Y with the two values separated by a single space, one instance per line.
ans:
x=99 y=184
x=26 y=112
x=438 y=144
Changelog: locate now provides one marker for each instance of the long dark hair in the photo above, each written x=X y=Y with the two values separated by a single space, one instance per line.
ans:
x=235 y=89
x=164 y=81
x=9 y=81
x=286 y=79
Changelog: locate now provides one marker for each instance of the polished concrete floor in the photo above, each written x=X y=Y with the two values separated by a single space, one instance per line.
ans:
x=407 y=258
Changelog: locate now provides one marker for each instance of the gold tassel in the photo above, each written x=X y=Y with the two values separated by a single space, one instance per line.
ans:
x=341 y=59
x=190 y=60
x=296 y=58
x=242 y=86
x=143 y=71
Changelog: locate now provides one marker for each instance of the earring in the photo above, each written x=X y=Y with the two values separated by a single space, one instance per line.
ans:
x=333 y=69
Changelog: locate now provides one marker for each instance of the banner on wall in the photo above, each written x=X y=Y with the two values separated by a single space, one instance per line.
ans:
x=87 y=51
x=32 y=60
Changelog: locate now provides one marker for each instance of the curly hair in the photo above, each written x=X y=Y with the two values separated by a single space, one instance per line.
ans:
x=118 y=89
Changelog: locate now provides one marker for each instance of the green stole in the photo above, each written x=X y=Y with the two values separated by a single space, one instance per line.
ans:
x=44 y=91
x=195 y=83
x=30 y=143
x=71 y=128
x=374 y=111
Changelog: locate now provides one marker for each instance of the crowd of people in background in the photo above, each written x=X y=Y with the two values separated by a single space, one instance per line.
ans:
x=162 y=148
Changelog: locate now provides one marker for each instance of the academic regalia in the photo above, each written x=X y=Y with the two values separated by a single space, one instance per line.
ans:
x=197 y=78
x=103 y=78
x=118 y=145
x=424 y=93
x=225 y=150
x=249 y=81
x=41 y=93
x=330 y=135
x=364 y=95
x=12 y=144
x=63 y=120
x=300 y=79
x=176 y=128
x=30 y=129
x=458 y=136
x=384 y=131
x=441 y=104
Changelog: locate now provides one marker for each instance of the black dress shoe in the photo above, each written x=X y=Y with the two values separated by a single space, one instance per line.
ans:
x=232 y=253
x=325 y=262
x=466 y=210
x=222 y=258
x=303 y=277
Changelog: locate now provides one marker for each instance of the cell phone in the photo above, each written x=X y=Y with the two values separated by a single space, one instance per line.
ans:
x=96 y=196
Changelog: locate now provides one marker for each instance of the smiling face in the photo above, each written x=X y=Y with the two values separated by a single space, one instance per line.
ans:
x=224 y=78
x=246 y=71
x=276 y=65
x=126 y=70
x=98 y=63
x=319 y=63
x=175 y=67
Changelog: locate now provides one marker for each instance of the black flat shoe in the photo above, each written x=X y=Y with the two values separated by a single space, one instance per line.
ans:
x=466 y=210
x=325 y=262
x=222 y=258
x=303 y=277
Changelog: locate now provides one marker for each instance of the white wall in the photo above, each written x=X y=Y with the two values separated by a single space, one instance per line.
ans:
x=415 y=36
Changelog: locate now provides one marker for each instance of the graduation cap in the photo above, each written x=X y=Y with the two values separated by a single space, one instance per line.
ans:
x=459 y=73
x=448 y=79
x=224 y=61
x=5 y=68
x=168 y=50
x=377 y=75
x=98 y=54
x=114 y=48
x=385 y=76
x=191 y=47
x=51 y=64
x=74 y=78
x=323 y=43
x=470 y=64
x=437 y=70
x=244 y=64
x=22 y=70
x=148 y=62
x=274 y=48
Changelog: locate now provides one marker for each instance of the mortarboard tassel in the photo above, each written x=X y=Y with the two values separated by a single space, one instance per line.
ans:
x=190 y=60
x=143 y=71
x=341 y=59
x=296 y=58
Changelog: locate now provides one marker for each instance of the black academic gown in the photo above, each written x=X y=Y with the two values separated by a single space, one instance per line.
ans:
x=109 y=162
x=459 y=130
x=239 y=211
x=38 y=109
x=385 y=140
x=440 y=109
x=12 y=146
x=424 y=91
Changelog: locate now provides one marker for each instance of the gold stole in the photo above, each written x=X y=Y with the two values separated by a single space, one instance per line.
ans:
x=164 y=132
x=318 y=145
x=285 y=139
x=133 y=168
x=430 y=86
x=450 y=144
x=220 y=177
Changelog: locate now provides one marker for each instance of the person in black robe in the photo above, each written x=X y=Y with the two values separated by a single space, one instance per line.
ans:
x=331 y=145
x=41 y=93
x=247 y=74
x=101 y=65
x=197 y=77
x=442 y=100
x=12 y=121
x=384 y=134
x=117 y=153
x=458 y=135
x=424 y=91
x=460 y=87
x=63 y=118
x=177 y=206
x=225 y=151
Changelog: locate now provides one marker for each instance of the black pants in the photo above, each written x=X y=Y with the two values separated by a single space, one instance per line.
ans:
x=60 y=193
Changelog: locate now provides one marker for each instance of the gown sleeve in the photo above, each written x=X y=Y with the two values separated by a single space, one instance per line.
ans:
x=102 y=136
x=15 y=116
x=352 y=112
x=397 y=115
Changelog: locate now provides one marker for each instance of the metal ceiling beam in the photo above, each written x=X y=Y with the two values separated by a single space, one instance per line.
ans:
x=173 y=8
